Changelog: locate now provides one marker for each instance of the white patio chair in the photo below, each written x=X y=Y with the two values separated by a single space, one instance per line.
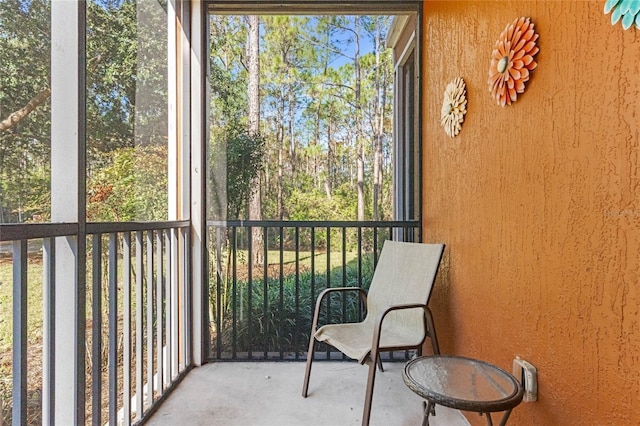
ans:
x=397 y=314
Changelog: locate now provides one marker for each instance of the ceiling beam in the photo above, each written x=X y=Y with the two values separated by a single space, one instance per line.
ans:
x=311 y=7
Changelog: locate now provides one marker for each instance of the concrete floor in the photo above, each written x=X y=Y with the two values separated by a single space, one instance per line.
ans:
x=267 y=393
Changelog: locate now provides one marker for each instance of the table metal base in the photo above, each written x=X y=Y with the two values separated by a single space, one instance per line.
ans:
x=430 y=409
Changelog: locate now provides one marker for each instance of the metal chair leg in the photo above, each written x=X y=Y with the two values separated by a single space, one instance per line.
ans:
x=431 y=329
x=312 y=342
x=380 y=364
x=307 y=373
x=366 y=414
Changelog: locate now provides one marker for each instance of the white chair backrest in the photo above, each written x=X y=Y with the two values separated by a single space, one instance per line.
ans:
x=405 y=273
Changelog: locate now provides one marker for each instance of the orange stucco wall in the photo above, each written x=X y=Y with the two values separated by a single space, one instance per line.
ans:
x=539 y=205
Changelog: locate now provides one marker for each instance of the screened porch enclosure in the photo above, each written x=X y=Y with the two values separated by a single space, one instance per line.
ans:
x=110 y=308
x=99 y=316
x=335 y=96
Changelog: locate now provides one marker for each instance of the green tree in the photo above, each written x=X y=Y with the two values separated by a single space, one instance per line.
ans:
x=325 y=116
x=228 y=71
x=242 y=156
x=111 y=70
x=126 y=99
x=24 y=110
x=126 y=110
x=284 y=74
x=127 y=187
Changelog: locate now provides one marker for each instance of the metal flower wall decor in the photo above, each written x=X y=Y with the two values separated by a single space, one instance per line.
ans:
x=628 y=10
x=454 y=107
x=512 y=61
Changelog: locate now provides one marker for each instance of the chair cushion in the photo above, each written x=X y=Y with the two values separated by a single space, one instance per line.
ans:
x=354 y=339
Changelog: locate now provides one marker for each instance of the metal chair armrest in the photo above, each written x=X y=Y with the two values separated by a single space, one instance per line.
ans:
x=326 y=292
x=429 y=325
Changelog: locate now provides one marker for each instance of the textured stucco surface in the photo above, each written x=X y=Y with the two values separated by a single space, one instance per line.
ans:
x=539 y=205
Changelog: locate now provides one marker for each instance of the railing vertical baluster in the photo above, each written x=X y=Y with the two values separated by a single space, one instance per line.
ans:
x=408 y=237
x=49 y=331
x=186 y=279
x=312 y=299
x=219 y=307
x=328 y=271
x=175 y=299
x=234 y=283
x=96 y=335
x=167 y=308
x=375 y=246
x=126 y=325
x=113 y=329
x=159 y=313
x=281 y=293
x=360 y=270
x=139 y=370
x=297 y=301
x=149 y=309
x=19 y=393
x=344 y=276
x=265 y=290
x=182 y=300
x=344 y=272
x=250 y=289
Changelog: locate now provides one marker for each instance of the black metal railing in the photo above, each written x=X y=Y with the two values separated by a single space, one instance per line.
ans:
x=134 y=312
x=135 y=318
x=262 y=309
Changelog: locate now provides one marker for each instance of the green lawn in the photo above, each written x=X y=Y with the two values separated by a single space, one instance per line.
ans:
x=34 y=303
x=34 y=288
x=289 y=258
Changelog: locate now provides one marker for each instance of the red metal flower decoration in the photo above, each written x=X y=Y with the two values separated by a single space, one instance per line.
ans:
x=512 y=61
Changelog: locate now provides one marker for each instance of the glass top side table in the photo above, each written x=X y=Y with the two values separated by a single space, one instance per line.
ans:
x=464 y=384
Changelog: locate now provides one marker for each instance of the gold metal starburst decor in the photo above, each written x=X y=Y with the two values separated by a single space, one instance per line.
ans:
x=454 y=107
x=512 y=61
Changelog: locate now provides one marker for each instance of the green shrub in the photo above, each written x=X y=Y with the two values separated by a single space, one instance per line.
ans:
x=285 y=323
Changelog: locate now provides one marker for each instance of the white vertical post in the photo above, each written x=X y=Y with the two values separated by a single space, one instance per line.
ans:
x=183 y=84
x=65 y=116
x=181 y=62
x=198 y=173
x=173 y=178
x=172 y=119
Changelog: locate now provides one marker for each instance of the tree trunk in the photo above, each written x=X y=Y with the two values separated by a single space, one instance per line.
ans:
x=378 y=129
x=377 y=181
x=280 y=157
x=328 y=187
x=316 y=140
x=383 y=108
x=292 y=138
x=19 y=115
x=255 y=200
x=360 y=184
x=359 y=142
